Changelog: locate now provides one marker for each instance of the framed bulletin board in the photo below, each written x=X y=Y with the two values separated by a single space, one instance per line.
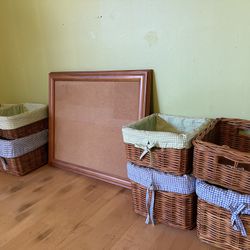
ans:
x=86 y=113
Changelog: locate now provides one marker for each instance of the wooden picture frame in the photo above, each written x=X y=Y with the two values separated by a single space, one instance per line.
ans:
x=86 y=114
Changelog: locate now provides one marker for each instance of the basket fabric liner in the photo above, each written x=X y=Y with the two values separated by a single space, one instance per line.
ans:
x=11 y=110
x=19 y=115
x=163 y=131
x=154 y=180
x=18 y=147
x=235 y=202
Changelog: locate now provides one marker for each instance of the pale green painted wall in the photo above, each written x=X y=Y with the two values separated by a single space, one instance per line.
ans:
x=199 y=49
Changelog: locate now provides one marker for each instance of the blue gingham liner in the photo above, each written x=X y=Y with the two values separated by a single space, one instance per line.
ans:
x=232 y=201
x=162 y=181
x=155 y=180
x=24 y=145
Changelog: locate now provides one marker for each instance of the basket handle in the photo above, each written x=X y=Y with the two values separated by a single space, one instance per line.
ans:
x=4 y=163
x=244 y=133
x=229 y=162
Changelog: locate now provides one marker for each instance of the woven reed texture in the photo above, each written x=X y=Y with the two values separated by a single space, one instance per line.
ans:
x=170 y=160
x=22 y=114
x=26 y=163
x=222 y=154
x=25 y=130
x=214 y=227
x=173 y=209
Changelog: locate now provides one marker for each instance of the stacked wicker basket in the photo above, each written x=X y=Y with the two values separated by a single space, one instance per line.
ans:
x=159 y=153
x=23 y=137
x=222 y=166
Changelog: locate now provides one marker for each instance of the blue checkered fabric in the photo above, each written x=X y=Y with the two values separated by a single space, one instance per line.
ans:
x=230 y=200
x=24 y=145
x=161 y=181
x=154 y=180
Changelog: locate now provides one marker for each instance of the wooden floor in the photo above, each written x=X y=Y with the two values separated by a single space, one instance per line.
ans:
x=54 y=209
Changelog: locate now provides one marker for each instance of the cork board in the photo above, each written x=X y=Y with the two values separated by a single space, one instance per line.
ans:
x=86 y=114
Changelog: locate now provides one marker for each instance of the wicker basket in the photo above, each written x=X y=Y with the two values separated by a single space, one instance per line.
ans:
x=171 y=208
x=23 y=155
x=26 y=163
x=214 y=225
x=21 y=120
x=214 y=228
x=163 y=142
x=222 y=154
x=171 y=160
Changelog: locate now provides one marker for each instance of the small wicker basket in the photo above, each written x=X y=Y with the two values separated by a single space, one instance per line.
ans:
x=222 y=154
x=24 y=164
x=20 y=120
x=172 y=208
x=214 y=227
x=21 y=156
x=163 y=142
x=218 y=210
x=177 y=210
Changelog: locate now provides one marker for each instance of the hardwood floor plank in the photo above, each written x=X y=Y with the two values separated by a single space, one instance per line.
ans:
x=55 y=209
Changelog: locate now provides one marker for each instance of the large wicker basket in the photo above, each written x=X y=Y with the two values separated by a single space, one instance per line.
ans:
x=20 y=120
x=214 y=223
x=222 y=154
x=163 y=142
x=171 y=208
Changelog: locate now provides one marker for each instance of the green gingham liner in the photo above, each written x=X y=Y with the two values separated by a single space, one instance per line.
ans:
x=154 y=180
x=232 y=201
x=164 y=131
x=14 y=116
x=24 y=145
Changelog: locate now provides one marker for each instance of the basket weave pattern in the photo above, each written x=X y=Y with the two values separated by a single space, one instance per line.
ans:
x=170 y=160
x=26 y=163
x=174 y=209
x=214 y=227
x=25 y=130
x=222 y=154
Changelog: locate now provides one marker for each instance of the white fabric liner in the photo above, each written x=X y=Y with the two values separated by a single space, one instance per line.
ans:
x=164 y=131
x=14 y=116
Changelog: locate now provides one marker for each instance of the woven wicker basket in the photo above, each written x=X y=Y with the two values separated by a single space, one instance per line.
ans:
x=214 y=227
x=177 y=210
x=163 y=142
x=163 y=198
x=21 y=120
x=222 y=154
x=171 y=160
x=223 y=217
x=26 y=163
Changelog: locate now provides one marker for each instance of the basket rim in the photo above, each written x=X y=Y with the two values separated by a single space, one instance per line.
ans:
x=163 y=139
x=221 y=149
x=36 y=112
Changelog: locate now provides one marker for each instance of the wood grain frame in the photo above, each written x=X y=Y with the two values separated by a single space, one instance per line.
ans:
x=145 y=80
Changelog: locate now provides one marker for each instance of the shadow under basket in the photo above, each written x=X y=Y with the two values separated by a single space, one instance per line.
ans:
x=26 y=163
x=177 y=210
x=214 y=227
x=222 y=154
x=25 y=130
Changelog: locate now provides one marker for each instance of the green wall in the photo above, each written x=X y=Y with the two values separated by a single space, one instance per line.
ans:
x=199 y=50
